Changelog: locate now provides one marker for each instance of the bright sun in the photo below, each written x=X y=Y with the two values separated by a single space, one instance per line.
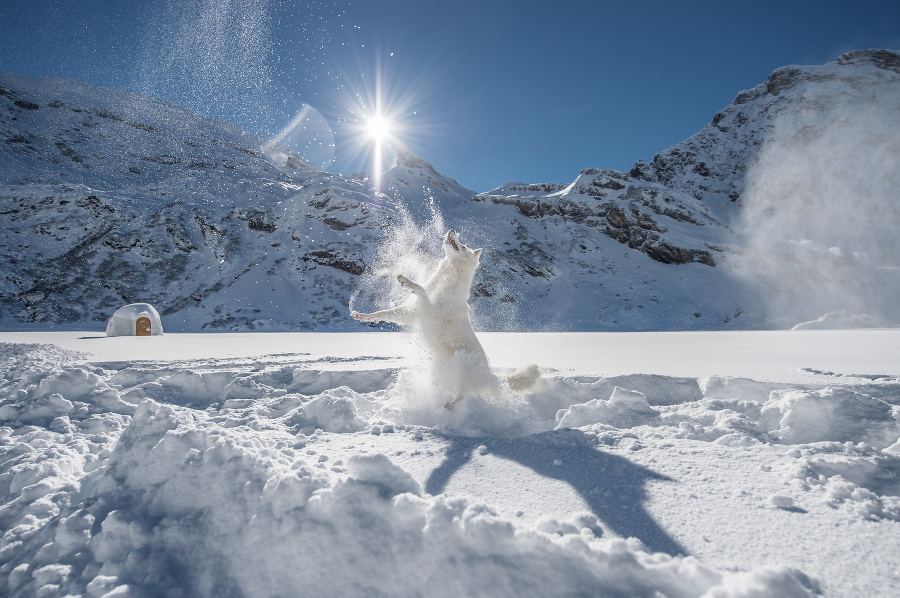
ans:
x=378 y=128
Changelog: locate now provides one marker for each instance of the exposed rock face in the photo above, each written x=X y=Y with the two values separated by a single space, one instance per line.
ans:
x=883 y=59
x=632 y=212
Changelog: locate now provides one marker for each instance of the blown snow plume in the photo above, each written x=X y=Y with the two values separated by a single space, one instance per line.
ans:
x=447 y=363
x=820 y=208
x=210 y=56
x=408 y=247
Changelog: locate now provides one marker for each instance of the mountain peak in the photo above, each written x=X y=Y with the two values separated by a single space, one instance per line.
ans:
x=407 y=159
x=883 y=59
x=413 y=172
x=711 y=165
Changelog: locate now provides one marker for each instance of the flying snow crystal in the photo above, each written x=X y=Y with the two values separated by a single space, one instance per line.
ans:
x=211 y=56
x=821 y=210
x=408 y=247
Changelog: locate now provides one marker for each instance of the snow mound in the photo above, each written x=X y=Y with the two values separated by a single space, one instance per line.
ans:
x=379 y=471
x=838 y=414
x=332 y=411
x=17 y=360
x=841 y=321
x=623 y=409
x=854 y=477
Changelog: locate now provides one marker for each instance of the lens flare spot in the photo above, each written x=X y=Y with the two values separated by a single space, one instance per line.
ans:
x=308 y=134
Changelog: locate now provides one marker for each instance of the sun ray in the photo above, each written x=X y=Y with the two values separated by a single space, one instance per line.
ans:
x=378 y=110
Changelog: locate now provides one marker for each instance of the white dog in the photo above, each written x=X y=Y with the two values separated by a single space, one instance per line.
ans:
x=440 y=311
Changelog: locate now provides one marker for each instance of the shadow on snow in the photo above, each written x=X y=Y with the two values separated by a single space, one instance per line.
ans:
x=612 y=486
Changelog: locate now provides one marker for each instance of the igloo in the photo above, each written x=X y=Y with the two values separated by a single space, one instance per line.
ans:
x=137 y=319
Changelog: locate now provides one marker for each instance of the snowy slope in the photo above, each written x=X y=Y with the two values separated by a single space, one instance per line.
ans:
x=101 y=209
x=111 y=198
x=283 y=464
x=108 y=198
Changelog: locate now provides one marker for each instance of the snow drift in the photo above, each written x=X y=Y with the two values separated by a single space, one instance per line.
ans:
x=240 y=478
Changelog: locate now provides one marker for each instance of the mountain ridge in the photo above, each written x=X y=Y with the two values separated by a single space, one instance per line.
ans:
x=108 y=198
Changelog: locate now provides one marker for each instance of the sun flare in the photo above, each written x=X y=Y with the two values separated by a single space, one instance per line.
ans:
x=378 y=128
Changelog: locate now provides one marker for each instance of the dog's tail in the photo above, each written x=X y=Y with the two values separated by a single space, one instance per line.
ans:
x=524 y=379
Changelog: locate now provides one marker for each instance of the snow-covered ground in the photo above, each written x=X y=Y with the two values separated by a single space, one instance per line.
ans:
x=282 y=464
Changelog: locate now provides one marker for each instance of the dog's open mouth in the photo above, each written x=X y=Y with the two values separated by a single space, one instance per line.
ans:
x=451 y=238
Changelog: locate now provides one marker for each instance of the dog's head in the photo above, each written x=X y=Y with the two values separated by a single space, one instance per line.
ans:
x=456 y=250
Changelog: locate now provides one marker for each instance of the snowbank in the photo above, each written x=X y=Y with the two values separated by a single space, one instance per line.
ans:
x=184 y=505
x=623 y=409
x=210 y=478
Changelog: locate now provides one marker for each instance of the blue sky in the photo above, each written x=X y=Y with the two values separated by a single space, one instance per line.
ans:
x=488 y=91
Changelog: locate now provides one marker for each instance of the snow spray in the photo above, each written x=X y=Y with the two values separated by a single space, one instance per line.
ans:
x=821 y=211
x=421 y=390
x=412 y=246
x=212 y=57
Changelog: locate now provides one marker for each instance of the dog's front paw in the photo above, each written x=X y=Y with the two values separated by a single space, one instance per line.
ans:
x=357 y=316
x=404 y=281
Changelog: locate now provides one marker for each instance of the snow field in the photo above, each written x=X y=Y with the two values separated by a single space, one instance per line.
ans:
x=283 y=475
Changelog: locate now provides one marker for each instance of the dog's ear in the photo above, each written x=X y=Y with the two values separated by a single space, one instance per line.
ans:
x=477 y=251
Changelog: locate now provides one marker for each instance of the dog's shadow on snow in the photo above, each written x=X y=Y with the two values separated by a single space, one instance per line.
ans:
x=613 y=486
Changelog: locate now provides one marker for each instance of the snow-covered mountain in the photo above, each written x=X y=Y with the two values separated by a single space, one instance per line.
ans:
x=109 y=198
